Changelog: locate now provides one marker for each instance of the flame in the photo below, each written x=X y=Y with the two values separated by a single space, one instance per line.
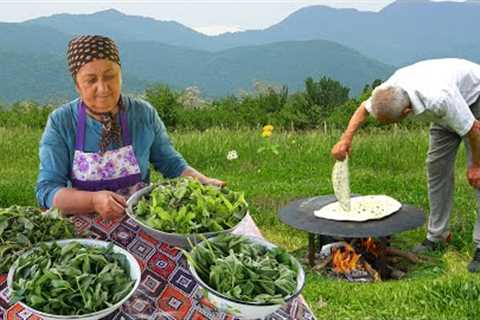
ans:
x=345 y=259
x=371 y=246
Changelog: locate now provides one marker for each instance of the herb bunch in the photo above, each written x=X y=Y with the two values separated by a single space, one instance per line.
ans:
x=71 y=280
x=245 y=271
x=186 y=206
x=22 y=227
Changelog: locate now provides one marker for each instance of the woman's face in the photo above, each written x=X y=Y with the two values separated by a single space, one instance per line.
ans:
x=99 y=84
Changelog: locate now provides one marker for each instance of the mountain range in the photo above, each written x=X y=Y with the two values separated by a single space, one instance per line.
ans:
x=351 y=46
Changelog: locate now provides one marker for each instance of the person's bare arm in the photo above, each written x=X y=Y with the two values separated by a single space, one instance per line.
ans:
x=191 y=172
x=344 y=144
x=473 y=173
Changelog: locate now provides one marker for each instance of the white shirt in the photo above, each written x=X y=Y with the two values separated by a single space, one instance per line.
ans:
x=440 y=90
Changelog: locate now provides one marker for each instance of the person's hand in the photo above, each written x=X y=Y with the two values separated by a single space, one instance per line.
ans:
x=214 y=182
x=473 y=176
x=342 y=149
x=109 y=205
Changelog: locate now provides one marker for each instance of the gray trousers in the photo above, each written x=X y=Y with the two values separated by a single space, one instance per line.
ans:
x=441 y=155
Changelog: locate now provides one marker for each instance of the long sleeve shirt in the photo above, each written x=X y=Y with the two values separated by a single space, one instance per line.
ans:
x=150 y=141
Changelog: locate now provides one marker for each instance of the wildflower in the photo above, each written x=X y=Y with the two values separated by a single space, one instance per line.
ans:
x=232 y=155
x=266 y=134
x=267 y=131
x=268 y=127
x=267 y=144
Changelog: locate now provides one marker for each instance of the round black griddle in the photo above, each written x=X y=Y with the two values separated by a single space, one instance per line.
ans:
x=299 y=214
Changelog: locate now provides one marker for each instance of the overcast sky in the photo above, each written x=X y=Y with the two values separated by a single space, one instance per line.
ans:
x=210 y=17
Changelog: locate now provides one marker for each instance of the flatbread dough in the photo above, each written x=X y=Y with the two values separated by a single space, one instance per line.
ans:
x=341 y=183
x=362 y=209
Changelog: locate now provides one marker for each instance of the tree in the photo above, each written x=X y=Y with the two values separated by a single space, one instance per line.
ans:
x=324 y=95
x=165 y=101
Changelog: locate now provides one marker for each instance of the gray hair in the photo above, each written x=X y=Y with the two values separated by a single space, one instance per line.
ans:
x=389 y=102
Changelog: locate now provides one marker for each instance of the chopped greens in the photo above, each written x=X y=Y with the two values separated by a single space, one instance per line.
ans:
x=72 y=280
x=22 y=227
x=243 y=270
x=186 y=206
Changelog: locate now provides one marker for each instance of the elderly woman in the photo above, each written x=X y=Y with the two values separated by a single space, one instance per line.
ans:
x=96 y=150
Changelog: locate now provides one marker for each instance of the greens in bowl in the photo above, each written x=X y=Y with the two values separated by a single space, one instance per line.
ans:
x=185 y=206
x=244 y=275
x=74 y=279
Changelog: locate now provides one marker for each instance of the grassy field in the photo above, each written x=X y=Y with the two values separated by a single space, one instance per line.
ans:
x=391 y=163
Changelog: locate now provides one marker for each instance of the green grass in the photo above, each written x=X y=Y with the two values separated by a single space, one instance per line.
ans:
x=383 y=162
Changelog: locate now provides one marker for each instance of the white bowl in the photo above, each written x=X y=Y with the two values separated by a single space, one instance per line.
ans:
x=135 y=274
x=242 y=309
x=172 y=238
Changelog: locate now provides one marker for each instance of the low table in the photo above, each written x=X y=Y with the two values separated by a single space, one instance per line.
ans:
x=299 y=214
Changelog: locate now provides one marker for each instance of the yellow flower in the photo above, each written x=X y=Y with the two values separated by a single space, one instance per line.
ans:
x=268 y=127
x=266 y=134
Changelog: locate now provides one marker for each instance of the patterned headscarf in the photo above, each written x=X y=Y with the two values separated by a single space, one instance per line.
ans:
x=84 y=49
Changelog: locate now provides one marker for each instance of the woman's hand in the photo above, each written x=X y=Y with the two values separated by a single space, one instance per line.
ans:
x=213 y=182
x=109 y=204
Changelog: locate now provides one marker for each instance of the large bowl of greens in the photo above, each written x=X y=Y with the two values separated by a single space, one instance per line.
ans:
x=181 y=211
x=245 y=276
x=82 y=279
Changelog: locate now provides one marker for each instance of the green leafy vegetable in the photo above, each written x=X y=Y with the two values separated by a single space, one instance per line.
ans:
x=71 y=280
x=185 y=206
x=243 y=270
x=22 y=227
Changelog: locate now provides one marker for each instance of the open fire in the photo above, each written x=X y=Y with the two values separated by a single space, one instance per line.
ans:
x=366 y=260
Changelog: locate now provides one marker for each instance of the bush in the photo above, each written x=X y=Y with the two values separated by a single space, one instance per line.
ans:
x=26 y=114
x=323 y=102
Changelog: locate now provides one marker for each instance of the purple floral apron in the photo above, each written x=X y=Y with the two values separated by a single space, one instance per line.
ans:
x=115 y=170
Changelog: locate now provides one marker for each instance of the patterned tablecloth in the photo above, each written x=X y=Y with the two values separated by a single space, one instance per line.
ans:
x=167 y=290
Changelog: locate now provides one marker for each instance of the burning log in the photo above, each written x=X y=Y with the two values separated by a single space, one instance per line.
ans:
x=345 y=260
x=371 y=271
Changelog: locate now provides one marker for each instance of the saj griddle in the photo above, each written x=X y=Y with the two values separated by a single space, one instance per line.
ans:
x=299 y=214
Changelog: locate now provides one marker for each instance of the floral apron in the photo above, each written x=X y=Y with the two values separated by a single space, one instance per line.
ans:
x=115 y=170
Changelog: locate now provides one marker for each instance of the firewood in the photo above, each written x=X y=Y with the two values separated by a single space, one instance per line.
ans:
x=407 y=255
x=371 y=271
x=320 y=266
x=396 y=273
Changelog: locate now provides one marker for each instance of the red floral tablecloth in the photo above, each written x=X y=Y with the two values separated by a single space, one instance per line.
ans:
x=167 y=290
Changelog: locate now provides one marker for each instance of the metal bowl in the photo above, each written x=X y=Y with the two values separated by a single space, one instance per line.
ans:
x=135 y=275
x=243 y=309
x=173 y=239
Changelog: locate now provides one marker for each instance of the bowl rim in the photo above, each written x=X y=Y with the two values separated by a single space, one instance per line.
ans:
x=88 y=242
x=139 y=193
x=269 y=246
